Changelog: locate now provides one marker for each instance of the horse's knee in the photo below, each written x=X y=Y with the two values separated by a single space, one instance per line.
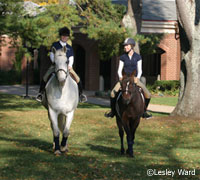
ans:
x=56 y=133
x=66 y=133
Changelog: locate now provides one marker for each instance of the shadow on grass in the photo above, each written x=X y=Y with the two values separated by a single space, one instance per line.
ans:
x=30 y=157
x=90 y=106
x=19 y=103
x=159 y=113
x=33 y=159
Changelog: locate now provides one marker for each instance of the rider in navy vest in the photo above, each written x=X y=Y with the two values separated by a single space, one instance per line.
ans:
x=64 y=34
x=129 y=62
x=130 y=65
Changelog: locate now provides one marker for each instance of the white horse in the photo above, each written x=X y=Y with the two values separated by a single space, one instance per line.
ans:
x=61 y=100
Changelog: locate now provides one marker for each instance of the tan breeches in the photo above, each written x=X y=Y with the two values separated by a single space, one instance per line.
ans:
x=52 y=69
x=147 y=94
x=77 y=79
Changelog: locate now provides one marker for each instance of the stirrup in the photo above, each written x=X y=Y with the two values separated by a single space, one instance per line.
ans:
x=39 y=97
x=82 y=98
x=109 y=114
x=146 y=115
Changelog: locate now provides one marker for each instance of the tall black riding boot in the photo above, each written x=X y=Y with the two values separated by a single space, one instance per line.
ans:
x=111 y=114
x=146 y=115
x=41 y=91
x=82 y=97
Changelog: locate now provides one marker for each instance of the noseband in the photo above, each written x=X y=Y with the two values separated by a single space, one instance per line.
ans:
x=67 y=73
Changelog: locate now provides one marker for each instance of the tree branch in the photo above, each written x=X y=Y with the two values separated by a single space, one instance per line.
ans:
x=81 y=10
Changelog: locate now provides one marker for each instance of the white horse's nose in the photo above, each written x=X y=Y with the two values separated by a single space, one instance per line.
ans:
x=61 y=75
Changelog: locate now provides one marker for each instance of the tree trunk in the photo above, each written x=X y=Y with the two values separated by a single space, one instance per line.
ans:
x=189 y=96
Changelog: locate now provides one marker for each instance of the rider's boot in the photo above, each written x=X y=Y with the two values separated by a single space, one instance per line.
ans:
x=41 y=91
x=82 y=97
x=145 y=114
x=111 y=114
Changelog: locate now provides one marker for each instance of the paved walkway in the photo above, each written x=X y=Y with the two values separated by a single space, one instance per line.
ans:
x=33 y=90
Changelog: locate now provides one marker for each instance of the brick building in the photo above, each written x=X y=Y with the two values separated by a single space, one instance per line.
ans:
x=157 y=17
x=7 y=55
x=160 y=17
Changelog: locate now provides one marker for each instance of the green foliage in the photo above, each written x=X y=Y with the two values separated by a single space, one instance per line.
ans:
x=54 y=18
x=20 y=51
x=165 y=87
x=10 y=11
x=102 y=22
x=10 y=77
x=149 y=43
x=10 y=14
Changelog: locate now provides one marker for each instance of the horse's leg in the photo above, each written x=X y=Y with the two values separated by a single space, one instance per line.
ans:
x=135 y=125
x=127 y=128
x=54 y=124
x=121 y=133
x=129 y=138
x=69 y=119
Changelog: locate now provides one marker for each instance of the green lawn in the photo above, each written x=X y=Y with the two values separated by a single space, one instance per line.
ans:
x=170 y=101
x=162 y=143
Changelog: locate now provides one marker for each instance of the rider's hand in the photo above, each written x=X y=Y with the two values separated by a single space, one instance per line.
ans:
x=69 y=67
x=135 y=80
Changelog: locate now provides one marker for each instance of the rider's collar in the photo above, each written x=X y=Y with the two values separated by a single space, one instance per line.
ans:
x=62 y=43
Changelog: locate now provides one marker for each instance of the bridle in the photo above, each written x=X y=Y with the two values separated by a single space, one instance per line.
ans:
x=67 y=73
x=127 y=91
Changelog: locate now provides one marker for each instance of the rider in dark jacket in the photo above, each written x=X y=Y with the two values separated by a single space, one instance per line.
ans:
x=64 y=34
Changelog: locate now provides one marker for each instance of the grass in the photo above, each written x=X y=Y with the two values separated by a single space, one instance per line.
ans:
x=26 y=145
x=166 y=100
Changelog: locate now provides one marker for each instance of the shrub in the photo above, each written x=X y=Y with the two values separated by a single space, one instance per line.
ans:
x=165 y=87
x=10 y=77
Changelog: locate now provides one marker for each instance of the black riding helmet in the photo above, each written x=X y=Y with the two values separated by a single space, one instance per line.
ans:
x=64 y=31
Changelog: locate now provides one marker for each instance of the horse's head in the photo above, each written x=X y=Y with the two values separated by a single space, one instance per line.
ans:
x=128 y=87
x=61 y=67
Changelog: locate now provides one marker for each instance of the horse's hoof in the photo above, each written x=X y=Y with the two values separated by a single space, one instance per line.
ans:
x=122 y=152
x=64 y=149
x=129 y=153
x=57 y=153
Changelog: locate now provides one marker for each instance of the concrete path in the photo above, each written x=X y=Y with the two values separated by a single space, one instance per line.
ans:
x=33 y=90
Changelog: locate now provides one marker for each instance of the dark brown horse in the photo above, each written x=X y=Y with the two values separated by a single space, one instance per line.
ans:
x=129 y=109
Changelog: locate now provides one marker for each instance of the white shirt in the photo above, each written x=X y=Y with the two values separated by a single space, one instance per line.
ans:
x=71 y=58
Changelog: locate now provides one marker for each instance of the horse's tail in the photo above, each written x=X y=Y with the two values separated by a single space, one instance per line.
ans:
x=61 y=122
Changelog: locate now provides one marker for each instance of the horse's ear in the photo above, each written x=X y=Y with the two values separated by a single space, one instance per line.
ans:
x=65 y=49
x=53 y=50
